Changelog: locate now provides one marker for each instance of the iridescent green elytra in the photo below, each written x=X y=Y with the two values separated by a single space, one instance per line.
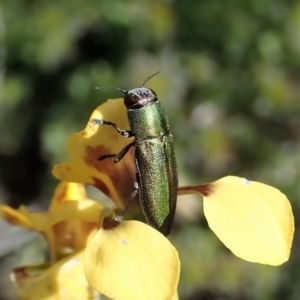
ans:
x=156 y=166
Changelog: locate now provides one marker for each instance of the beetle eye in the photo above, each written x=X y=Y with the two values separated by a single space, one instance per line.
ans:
x=130 y=99
x=134 y=98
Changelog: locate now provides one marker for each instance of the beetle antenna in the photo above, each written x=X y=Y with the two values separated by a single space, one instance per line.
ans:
x=153 y=75
x=110 y=88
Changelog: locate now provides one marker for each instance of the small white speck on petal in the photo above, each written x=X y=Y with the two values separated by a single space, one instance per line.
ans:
x=246 y=181
x=70 y=263
x=123 y=242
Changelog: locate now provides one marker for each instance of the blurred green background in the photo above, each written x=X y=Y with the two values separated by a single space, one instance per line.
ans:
x=230 y=87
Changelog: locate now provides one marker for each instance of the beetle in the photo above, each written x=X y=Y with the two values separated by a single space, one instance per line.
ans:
x=156 y=167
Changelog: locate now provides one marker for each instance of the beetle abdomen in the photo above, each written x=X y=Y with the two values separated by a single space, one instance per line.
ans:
x=156 y=164
x=158 y=181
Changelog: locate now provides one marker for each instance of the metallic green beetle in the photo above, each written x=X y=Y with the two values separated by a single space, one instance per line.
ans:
x=156 y=166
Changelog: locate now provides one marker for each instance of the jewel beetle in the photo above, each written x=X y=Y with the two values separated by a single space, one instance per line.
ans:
x=156 y=167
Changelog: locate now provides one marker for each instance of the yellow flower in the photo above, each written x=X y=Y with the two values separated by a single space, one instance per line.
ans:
x=67 y=225
x=131 y=260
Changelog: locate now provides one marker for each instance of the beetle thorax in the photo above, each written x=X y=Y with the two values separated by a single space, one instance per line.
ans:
x=139 y=97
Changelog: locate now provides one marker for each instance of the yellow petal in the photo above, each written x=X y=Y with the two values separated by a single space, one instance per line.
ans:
x=18 y=217
x=85 y=147
x=67 y=191
x=63 y=280
x=254 y=220
x=85 y=210
x=131 y=260
x=75 y=171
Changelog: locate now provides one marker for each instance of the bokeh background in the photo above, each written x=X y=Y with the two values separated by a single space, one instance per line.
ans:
x=230 y=87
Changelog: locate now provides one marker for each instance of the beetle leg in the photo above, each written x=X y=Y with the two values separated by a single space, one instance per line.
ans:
x=118 y=156
x=125 y=133
x=122 y=153
x=104 y=156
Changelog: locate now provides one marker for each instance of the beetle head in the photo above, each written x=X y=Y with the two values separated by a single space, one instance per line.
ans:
x=138 y=97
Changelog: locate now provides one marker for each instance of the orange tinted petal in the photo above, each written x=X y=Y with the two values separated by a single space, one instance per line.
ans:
x=85 y=148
